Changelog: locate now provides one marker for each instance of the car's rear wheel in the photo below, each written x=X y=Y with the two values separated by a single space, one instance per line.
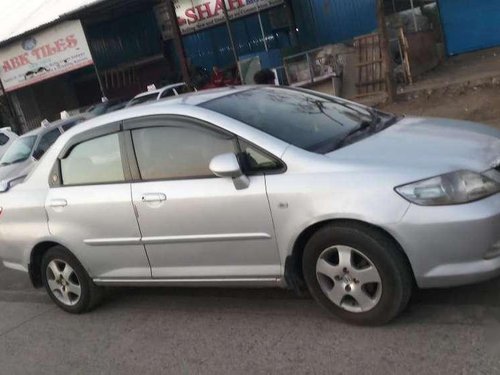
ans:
x=67 y=282
x=358 y=273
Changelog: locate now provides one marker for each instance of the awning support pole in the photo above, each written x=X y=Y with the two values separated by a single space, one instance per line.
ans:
x=413 y=15
x=231 y=40
x=178 y=43
x=101 y=87
x=10 y=107
x=262 y=32
x=386 y=56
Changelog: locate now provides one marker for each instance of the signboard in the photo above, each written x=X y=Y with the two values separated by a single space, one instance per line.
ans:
x=194 y=15
x=44 y=55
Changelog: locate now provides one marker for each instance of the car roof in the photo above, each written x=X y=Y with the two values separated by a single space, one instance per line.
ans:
x=68 y=120
x=190 y=99
x=200 y=97
x=158 y=91
x=40 y=130
x=193 y=99
x=52 y=125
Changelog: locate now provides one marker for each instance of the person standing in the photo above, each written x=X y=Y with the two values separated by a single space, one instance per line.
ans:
x=264 y=77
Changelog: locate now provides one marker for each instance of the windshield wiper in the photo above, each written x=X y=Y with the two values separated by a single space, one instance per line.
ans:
x=364 y=126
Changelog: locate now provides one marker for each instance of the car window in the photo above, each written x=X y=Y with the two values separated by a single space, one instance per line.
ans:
x=116 y=107
x=19 y=150
x=93 y=162
x=257 y=161
x=300 y=118
x=143 y=99
x=178 y=152
x=167 y=93
x=3 y=139
x=182 y=89
x=46 y=141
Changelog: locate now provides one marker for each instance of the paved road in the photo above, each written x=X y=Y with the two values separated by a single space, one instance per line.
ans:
x=210 y=331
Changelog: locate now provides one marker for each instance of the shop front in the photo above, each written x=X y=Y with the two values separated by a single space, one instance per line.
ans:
x=255 y=28
x=42 y=72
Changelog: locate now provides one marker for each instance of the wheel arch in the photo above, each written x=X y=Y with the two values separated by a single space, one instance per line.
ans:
x=34 y=266
x=293 y=264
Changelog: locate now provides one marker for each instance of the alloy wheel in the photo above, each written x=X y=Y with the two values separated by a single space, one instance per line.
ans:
x=63 y=282
x=349 y=278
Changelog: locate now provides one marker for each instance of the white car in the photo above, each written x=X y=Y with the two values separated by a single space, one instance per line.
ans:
x=7 y=136
x=24 y=152
x=166 y=91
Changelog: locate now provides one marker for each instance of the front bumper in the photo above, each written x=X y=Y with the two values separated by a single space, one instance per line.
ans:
x=452 y=245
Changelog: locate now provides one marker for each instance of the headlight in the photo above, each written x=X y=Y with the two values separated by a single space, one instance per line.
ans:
x=451 y=188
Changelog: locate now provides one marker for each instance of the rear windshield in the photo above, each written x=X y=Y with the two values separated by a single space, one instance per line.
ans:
x=143 y=99
x=297 y=117
x=19 y=151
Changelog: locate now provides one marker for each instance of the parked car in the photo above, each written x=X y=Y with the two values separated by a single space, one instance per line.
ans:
x=25 y=151
x=165 y=92
x=260 y=186
x=7 y=136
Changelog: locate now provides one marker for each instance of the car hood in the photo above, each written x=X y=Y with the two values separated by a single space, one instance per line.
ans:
x=12 y=171
x=432 y=146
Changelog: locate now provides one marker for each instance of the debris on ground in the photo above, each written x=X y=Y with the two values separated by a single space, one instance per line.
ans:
x=479 y=103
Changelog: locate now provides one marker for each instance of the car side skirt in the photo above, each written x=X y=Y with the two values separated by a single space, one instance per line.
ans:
x=270 y=282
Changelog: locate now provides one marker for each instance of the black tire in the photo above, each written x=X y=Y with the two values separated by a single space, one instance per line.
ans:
x=91 y=294
x=393 y=269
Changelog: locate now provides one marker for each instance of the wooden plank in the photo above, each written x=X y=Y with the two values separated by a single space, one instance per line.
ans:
x=368 y=83
x=376 y=61
x=375 y=93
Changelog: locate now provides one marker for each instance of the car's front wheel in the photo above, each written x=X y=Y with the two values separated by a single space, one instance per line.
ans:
x=67 y=282
x=357 y=273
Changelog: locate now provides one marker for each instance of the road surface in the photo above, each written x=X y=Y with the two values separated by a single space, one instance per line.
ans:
x=236 y=331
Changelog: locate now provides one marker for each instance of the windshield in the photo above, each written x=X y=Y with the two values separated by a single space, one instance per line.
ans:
x=305 y=120
x=20 y=150
x=143 y=99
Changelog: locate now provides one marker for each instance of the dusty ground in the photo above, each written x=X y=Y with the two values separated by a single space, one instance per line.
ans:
x=465 y=102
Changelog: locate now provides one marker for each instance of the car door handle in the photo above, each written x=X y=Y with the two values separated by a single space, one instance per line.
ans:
x=154 y=197
x=58 y=203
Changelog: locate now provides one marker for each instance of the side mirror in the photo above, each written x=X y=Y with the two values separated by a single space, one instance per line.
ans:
x=227 y=166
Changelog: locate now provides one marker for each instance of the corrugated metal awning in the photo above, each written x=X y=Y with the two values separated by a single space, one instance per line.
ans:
x=21 y=16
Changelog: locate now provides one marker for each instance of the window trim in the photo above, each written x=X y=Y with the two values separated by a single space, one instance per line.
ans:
x=144 y=122
x=134 y=163
x=280 y=170
x=129 y=158
x=55 y=177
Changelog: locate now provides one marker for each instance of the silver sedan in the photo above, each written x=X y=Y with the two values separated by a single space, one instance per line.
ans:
x=260 y=187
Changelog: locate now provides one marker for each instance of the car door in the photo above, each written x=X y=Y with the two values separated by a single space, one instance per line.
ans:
x=195 y=225
x=90 y=210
